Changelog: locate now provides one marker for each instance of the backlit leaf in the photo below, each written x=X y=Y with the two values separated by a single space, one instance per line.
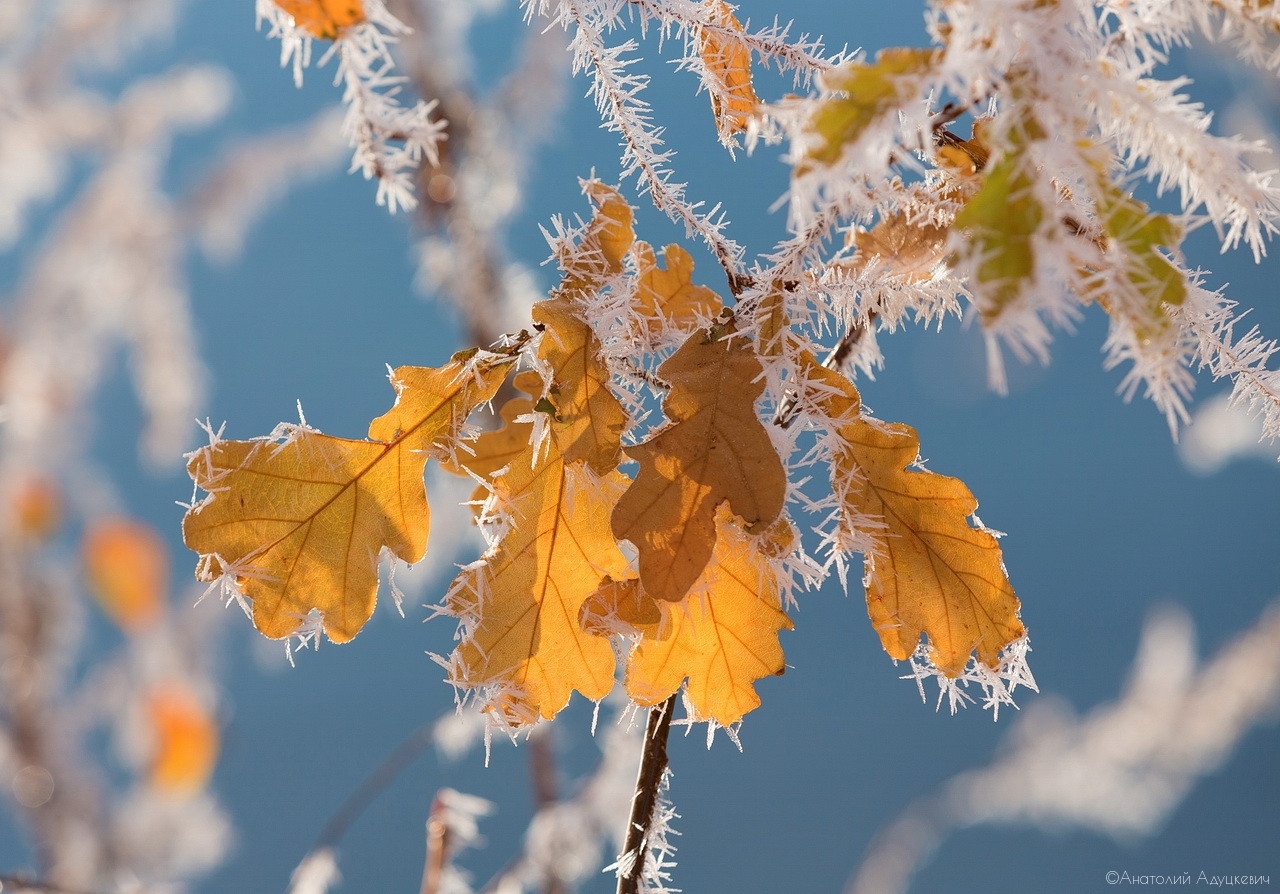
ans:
x=729 y=65
x=520 y=604
x=601 y=251
x=326 y=19
x=669 y=298
x=931 y=572
x=722 y=637
x=1135 y=237
x=712 y=449
x=591 y=419
x=999 y=223
x=299 y=524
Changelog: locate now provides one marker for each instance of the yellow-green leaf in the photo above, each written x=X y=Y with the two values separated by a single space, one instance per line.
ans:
x=867 y=91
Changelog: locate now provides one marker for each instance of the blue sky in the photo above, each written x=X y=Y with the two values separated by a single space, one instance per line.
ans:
x=1104 y=525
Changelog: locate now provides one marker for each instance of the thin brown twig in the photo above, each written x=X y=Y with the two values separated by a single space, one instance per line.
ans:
x=653 y=767
x=835 y=358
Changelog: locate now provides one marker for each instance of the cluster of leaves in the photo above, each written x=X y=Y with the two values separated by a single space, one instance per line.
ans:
x=673 y=545
x=689 y=561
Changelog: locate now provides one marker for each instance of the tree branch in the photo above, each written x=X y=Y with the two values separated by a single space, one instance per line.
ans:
x=653 y=766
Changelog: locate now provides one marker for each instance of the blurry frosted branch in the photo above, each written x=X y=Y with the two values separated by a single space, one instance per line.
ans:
x=566 y=839
x=256 y=174
x=469 y=198
x=390 y=139
x=1121 y=770
x=111 y=273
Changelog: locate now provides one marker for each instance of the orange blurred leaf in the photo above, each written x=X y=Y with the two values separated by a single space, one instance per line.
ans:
x=931 y=572
x=186 y=741
x=300 y=523
x=37 y=508
x=127 y=569
x=326 y=19
x=728 y=63
x=713 y=448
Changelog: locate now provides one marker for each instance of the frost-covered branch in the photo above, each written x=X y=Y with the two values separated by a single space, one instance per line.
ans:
x=1119 y=770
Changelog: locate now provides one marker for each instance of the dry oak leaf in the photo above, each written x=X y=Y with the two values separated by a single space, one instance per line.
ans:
x=728 y=63
x=494 y=450
x=712 y=449
x=326 y=19
x=299 y=524
x=722 y=637
x=603 y=248
x=591 y=420
x=931 y=572
x=520 y=604
x=669 y=299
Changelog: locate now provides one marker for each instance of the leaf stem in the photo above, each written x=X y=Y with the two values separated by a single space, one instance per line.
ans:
x=653 y=766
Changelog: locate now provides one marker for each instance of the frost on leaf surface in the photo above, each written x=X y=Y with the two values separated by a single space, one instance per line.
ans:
x=551 y=499
x=930 y=571
x=728 y=64
x=713 y=449
x=863 y=94
x=297 y=525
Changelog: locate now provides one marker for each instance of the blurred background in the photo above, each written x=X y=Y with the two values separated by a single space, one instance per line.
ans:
x=1144 y=565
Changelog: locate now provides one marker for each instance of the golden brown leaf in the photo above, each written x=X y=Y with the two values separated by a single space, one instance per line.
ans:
x=602 y=249
x=728 y=63
x=521 y=603
x=669 y=298
x=127 y=568
x=591 y=420
x=714 y=448
x=931 y=572
x=911 y=250
x=300 y=524
x=525 y=598
x=772 y=322
x=326 y=19
x=722 y=637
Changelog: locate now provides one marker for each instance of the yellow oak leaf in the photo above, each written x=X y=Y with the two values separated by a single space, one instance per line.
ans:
x=728 y=63
x=669 y=298
x=591 y=419
x=520 y=604
x=496 y=449
x=931 y=572
x=299 y=524
x=326 y=19
x=713 y=448
x=602 y=249
x=863 y=93
x=722 y=637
